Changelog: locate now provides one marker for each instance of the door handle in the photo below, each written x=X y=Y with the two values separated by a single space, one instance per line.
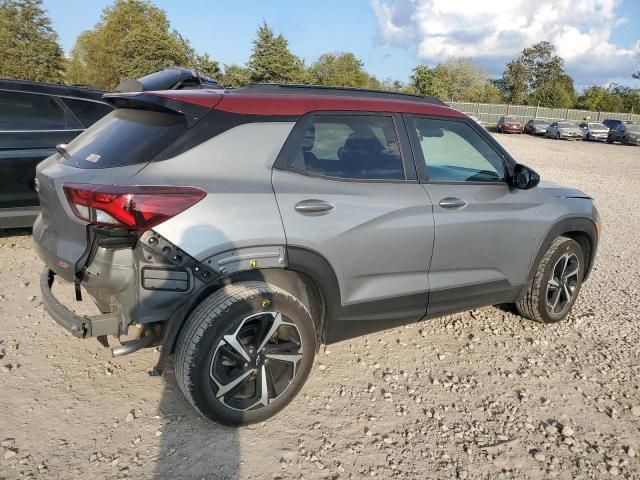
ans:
x=311 y=207
x=452 y=202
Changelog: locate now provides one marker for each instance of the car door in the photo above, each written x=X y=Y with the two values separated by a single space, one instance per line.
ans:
x=346 y=187
x=485 y=229
x=31 y=125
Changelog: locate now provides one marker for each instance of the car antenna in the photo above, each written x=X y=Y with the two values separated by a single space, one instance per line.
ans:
x=191 y=59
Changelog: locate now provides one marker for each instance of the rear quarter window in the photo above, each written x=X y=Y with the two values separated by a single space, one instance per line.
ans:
x=87 y=112
x=30 y=112
x=124 y=137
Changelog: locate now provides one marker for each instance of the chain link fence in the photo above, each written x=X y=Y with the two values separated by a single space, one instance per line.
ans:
x=490 y=112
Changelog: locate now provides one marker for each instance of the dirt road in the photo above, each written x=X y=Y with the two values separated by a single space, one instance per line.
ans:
x=483 y=394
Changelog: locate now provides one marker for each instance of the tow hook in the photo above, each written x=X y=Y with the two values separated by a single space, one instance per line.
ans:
x=148 y=338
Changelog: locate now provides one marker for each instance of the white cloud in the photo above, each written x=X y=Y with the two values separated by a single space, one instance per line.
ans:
x=494 y=31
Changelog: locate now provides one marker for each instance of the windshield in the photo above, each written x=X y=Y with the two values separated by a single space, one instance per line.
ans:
x=597 y=126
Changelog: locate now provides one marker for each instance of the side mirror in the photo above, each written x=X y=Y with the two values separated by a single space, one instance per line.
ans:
x=524 y=178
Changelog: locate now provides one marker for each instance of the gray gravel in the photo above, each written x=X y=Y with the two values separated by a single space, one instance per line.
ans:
x=482 y=394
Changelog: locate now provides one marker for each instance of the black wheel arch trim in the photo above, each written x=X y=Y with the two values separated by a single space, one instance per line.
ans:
x=573 y=227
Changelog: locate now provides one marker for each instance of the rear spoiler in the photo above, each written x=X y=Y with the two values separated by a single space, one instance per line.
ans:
x=192 y=104
x=174 y=78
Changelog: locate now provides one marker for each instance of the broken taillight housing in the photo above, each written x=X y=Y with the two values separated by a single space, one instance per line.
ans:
x=136 y=207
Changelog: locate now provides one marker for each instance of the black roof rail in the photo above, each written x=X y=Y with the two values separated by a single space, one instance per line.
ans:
x=31 y=86
x=294 y=88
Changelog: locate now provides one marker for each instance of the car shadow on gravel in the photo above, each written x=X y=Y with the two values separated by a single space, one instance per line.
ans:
x=15 y=232
x=191 y=446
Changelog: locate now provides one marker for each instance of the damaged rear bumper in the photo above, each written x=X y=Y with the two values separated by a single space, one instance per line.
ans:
x=81 y=326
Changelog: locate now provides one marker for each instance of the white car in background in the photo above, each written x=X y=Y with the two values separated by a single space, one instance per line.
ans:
x=595 y=131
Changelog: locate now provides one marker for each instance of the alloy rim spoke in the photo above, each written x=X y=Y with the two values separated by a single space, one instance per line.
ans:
x=277 y=321
x=232 y=341
x=562 y=284
x=224 y=389
x=260 y=375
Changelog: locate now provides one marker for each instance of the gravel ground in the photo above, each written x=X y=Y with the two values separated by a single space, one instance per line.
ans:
x=482 y=394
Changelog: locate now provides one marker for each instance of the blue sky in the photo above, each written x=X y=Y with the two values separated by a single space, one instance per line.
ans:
x=392 y=36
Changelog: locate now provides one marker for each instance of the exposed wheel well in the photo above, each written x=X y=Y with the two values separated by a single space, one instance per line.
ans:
x=298 y=284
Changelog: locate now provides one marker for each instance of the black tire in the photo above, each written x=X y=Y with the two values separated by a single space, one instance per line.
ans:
x=534 y=303
x=202 y=337
x=609 y=139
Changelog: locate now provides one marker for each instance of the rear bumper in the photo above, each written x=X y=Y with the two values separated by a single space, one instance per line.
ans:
x=80 y=326
x=19 y=217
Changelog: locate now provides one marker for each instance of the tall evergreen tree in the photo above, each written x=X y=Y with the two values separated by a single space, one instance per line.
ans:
x=132 y=39
x=29 y=48
x=271 y=60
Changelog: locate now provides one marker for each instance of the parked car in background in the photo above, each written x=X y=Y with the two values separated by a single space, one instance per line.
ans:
x=510 y=124
x=536 y=127
x=34 y=118
x=614 y=122
x=564 y=130
x=241 y=228
x=594 y=131
x=626 y=134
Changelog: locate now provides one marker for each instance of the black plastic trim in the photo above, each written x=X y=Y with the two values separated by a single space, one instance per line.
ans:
x=563 y=227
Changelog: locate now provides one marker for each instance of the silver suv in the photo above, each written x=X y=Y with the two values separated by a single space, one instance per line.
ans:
x=241 y=229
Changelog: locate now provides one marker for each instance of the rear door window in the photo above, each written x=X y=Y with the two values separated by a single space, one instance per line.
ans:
x=88 y=112
x=359 y=147
x=124 y=137
x=32 y=112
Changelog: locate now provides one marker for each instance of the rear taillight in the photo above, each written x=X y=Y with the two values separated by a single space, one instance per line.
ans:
x=138 y=207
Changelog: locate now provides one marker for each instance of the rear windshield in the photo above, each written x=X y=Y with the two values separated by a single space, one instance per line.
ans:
x=124 y=137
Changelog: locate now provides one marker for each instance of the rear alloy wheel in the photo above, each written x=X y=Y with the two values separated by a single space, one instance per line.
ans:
x=556 y=282
x=245 y=352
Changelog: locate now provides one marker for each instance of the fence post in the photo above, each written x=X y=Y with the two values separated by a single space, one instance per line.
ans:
x=566 y=113
x=508 y=108
x=535 y=115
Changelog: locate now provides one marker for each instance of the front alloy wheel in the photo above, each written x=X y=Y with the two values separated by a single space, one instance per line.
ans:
x=556 y=282
x=563 y=283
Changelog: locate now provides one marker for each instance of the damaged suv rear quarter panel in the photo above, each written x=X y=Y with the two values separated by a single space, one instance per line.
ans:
x=240 y=209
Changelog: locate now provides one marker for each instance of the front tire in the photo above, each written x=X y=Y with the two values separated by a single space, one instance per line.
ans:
x=245 y=352
x=556 y=283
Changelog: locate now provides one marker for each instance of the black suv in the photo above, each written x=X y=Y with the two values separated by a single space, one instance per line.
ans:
x=34 y=118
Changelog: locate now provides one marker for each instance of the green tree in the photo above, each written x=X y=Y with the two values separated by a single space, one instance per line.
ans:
x=341 y=70
x=516 y=82
x=457 y=79
x=208 y=67
x=29 y=48
x=542 y=64
x=132 y=39
x=538 y=68
x=271 y=60
x=630 y=97
x=600 y=99
x=235 y=76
